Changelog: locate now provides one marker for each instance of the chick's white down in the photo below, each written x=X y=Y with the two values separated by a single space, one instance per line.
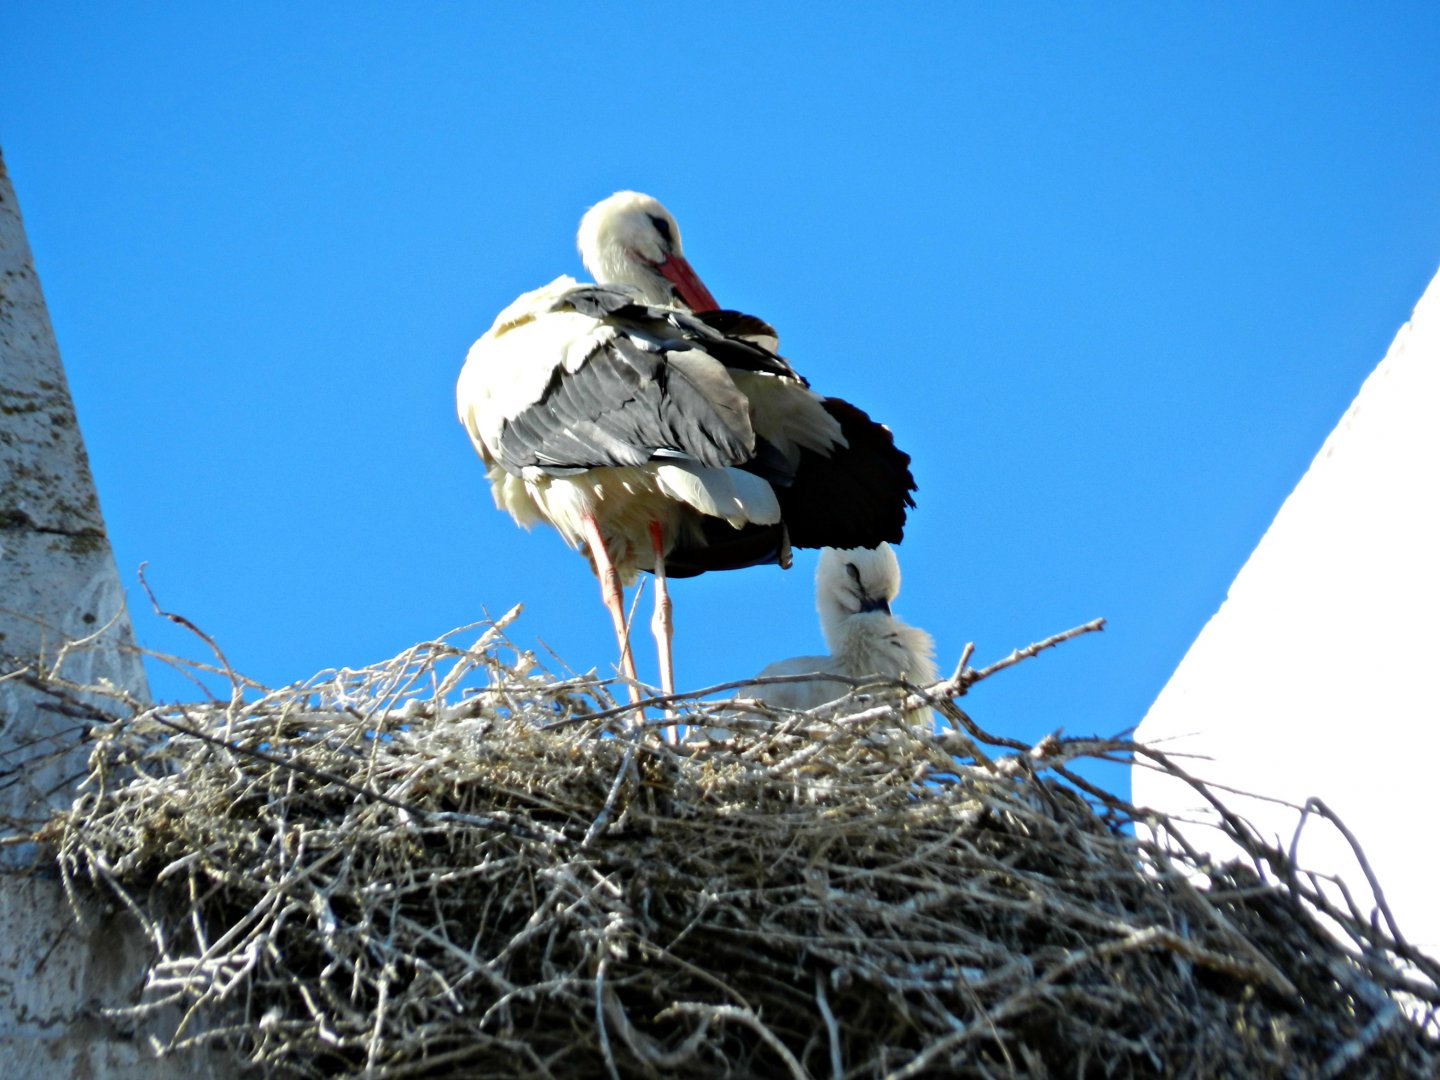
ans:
x=853 y=591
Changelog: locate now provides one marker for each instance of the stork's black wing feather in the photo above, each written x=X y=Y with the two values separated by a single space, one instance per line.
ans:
x=736 y=324
x=854 y=496
x=738 y=353
x=734 y=351
x=725 y=335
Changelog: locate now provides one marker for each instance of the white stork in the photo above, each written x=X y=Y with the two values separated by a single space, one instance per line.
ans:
x=853 y=593
x=660 y=439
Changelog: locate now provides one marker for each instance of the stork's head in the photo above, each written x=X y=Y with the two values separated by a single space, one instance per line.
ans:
x=630 y=239
x=854 y=581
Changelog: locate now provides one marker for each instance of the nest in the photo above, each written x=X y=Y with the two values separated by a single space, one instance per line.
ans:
x=459 y=864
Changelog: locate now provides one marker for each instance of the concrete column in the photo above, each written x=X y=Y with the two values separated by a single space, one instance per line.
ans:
x=61 y=604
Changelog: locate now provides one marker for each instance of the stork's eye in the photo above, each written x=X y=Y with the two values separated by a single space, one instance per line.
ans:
x=663 y=228
x=854 y=572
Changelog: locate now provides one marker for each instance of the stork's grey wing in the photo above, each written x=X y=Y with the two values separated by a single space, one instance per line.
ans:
x=632 y=399
x=736 y=340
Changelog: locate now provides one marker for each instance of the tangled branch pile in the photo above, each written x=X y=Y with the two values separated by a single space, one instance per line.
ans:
x=435 y=867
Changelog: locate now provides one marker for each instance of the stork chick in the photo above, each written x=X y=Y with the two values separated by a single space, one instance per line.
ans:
x=853 y=592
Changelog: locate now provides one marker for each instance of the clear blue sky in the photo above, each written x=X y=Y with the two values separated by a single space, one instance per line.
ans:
x=1110 y=272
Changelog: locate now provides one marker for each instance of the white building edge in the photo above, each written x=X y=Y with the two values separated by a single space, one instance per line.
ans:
x=1320 y=674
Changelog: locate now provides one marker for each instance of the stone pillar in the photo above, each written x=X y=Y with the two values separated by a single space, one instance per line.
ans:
x=58 y=583
x=61 y=604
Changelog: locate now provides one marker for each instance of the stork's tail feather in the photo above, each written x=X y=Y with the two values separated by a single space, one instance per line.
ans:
x=858 y=495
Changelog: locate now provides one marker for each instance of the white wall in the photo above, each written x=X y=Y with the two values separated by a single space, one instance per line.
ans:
x=1320 y=674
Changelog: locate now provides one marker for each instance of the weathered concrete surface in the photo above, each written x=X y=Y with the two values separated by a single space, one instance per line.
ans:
x=1317 y=675
x=57 y=576
x=60 y=603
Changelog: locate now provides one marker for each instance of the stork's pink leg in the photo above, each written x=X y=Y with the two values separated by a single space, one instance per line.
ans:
x=614 y=599
x=661 y=624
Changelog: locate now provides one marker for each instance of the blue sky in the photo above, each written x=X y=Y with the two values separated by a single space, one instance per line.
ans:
x=1110 y=272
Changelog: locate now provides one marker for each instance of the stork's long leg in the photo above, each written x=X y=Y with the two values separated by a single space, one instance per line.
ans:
x=614 y=600
x=661 y=624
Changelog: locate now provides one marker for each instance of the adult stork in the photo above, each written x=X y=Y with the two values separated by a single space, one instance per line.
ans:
x=659 y=438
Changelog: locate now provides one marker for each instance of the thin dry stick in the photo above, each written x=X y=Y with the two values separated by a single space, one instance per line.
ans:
x=832 y=1029
x=236 y=682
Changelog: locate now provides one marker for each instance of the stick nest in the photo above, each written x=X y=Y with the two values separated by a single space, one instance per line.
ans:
x=457 y=864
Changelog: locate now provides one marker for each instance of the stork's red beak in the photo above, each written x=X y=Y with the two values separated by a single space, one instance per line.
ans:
x=688 y=284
